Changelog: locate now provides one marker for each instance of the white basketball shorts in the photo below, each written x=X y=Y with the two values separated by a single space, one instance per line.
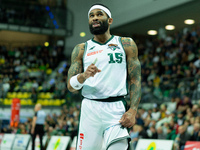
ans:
x=99 y=124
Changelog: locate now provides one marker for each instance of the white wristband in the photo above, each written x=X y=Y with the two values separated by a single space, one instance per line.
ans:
x=75 y=83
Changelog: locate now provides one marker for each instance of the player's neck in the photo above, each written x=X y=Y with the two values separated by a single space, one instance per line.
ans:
x=102 y=38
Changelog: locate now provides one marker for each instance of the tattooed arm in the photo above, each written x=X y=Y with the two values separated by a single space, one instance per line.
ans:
x=134 y=79
x=134 y=72
x=76 y=67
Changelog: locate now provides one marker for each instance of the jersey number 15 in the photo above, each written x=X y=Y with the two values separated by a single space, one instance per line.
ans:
x=115 y=58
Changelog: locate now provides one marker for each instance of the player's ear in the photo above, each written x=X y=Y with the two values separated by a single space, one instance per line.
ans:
x=110 y=21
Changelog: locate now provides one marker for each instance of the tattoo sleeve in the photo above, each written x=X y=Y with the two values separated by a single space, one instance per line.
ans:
x=134 y=72
x=76 y=62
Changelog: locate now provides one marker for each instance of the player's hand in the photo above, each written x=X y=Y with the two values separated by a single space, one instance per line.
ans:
x=32 y=131
x=128 y=118
x=91 y=71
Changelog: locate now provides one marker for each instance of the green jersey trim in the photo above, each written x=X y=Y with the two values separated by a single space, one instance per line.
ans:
x=118 y=139
x=105 y=42
x=84 y=54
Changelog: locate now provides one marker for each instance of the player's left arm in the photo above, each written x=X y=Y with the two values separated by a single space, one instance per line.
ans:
x=134 y=79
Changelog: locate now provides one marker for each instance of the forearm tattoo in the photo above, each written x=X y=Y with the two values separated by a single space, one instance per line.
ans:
x=134 y=73
x=76 y=63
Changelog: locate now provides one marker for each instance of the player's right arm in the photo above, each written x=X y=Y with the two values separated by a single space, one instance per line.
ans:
x=76 y=65
x=75 y=74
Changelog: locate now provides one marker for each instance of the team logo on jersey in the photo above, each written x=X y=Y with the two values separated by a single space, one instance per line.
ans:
x=92 y=48
x=113 y=46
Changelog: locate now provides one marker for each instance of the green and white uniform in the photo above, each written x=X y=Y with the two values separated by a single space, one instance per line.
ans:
x=103 y=104
x=111 y=60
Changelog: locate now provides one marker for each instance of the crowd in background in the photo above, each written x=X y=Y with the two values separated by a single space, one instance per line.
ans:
x=171 y=65
x=178 y=120
x=24 y=69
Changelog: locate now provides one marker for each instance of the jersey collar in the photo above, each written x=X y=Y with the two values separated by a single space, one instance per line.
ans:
x=105 y=42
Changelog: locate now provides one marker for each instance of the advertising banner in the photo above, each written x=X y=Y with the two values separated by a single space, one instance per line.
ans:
x=151 y=144
x=7 y=141
x=15 y=108
x=58 y=143
x=37 y=143
x=192 y=145
x=1 y=137
x=21 y=141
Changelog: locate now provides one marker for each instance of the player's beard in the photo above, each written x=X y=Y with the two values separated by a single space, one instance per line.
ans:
x=101 y=29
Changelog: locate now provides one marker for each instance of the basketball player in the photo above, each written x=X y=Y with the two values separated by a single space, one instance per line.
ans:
x=101 y=67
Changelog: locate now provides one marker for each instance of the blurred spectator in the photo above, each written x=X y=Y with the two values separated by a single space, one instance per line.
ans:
x=45 y=87
x=34 y=96
x=152 y=133
x=139 y=120
x=143 y=113
x=178 y=102
x=142 y=134
x=51 y=131
x=155 y=114
x=21 y=129
x=182 y=137
x=180 y=118
x=160 y=133
x=195 y=109
x=196 y=133
x=171 y=107
x=167 y=119
x=186 y=103
x=35 y=85
x=50 y=121
x=6 y=88
x=163 y=110
x=189 y=127
x=171 y=133
x=60 y=131
x=147 y=90
x=134 y=135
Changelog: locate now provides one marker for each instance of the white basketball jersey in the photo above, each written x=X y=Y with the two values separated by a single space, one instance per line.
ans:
x=111 y=60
